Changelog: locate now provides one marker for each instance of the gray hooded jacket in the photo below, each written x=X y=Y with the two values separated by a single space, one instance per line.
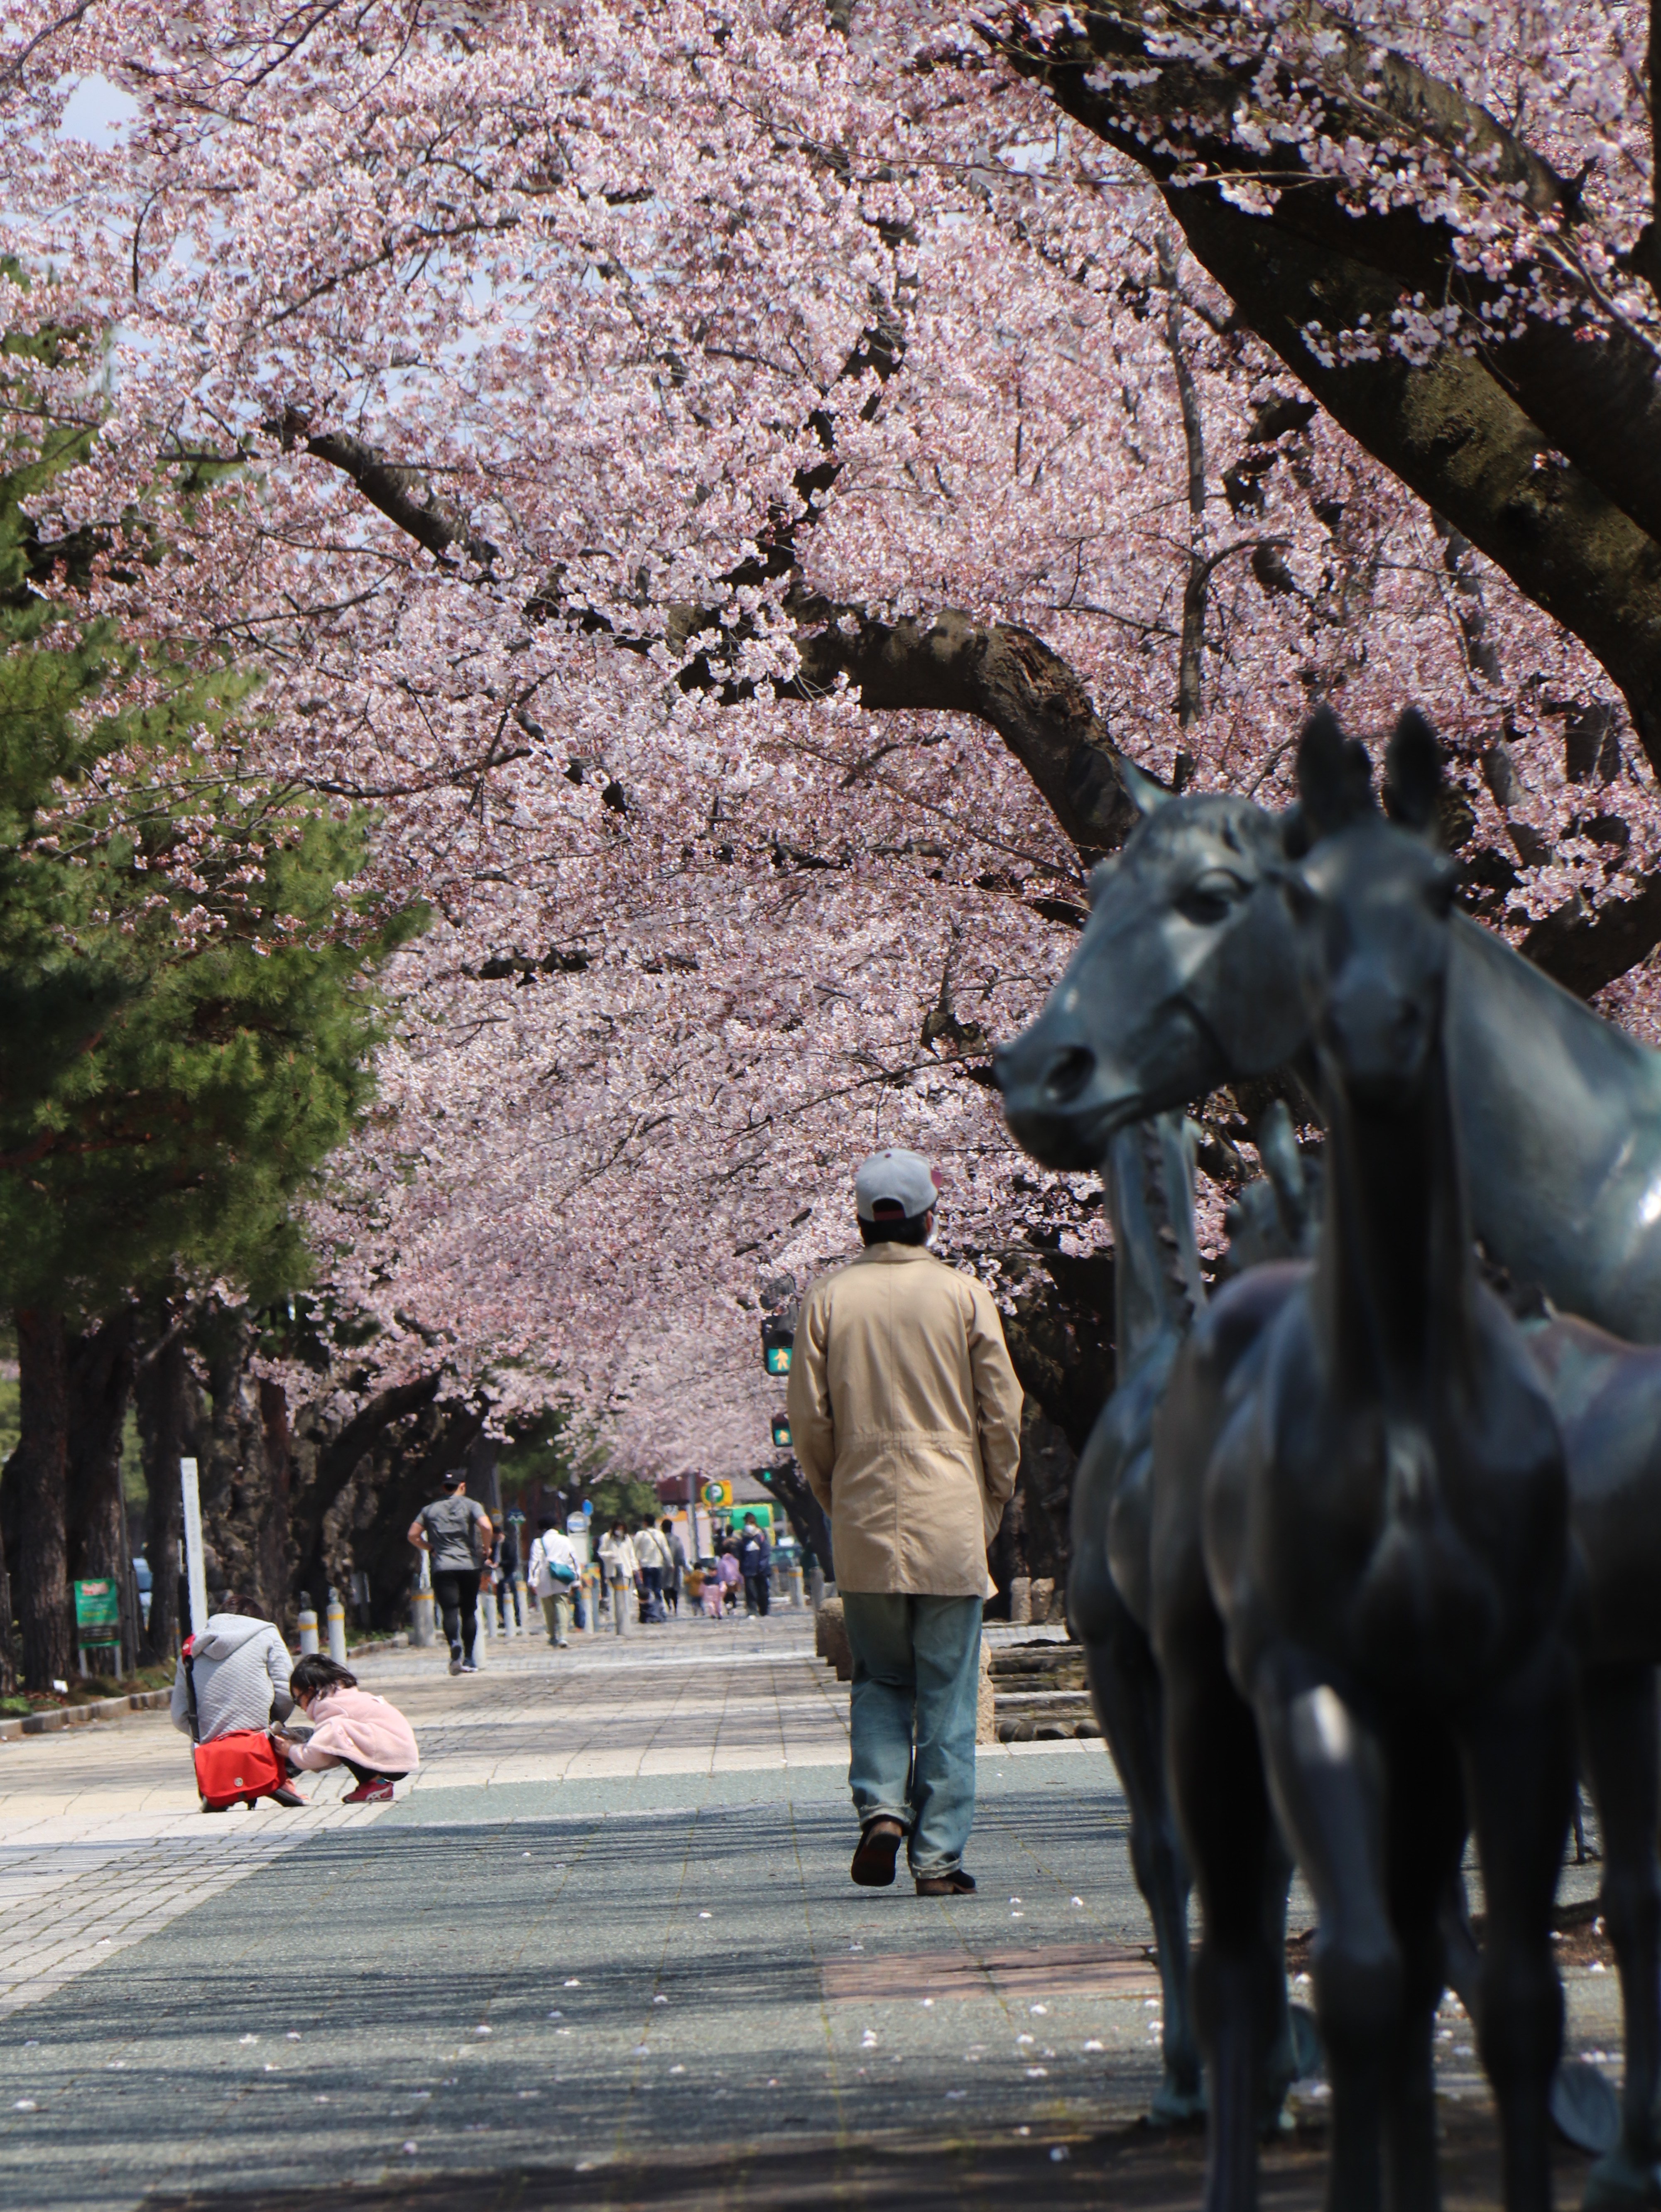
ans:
x=241 y=1670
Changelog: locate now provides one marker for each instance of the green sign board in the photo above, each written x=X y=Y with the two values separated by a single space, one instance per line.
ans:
x=97 y=1606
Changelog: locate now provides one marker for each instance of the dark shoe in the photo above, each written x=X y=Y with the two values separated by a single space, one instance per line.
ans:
x=955 y=1884
x=377 y=1792
x=466 y=1668
x=879 y=1847
x=455 y=1662
x=285 y=1795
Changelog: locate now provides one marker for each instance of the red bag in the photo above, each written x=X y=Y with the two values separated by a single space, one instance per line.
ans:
x=244 y=1764
x=241 y=1764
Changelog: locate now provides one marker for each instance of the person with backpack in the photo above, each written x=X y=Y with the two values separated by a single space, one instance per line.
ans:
x=233 y=1679
x=351 y=1727
x=555 y=1571
x=456 y=1531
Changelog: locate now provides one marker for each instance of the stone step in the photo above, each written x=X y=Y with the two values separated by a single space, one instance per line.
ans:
x=1029 y=1716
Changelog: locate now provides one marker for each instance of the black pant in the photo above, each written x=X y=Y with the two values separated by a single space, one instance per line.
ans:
x=456 y=1589
x=756 y=1591
x=362 y=1774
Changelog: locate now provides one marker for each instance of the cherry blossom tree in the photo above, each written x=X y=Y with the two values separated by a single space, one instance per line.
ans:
x=726 y=486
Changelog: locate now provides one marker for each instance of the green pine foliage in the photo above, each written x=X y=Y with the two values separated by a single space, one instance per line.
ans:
x=187 y=1012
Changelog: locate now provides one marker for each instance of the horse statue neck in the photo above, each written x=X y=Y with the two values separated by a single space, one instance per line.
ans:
x=1148 y=1179
x=1395 y=1273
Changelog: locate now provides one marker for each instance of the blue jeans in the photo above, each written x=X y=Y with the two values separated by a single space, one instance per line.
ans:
x=917 y=1689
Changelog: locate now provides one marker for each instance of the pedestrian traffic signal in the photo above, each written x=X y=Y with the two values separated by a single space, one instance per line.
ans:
x=777 y=1336
x=781 y=1432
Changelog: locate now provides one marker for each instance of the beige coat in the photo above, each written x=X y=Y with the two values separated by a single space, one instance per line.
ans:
x=906 y=1417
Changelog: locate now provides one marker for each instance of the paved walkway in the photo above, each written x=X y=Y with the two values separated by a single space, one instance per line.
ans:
x=607 y=1935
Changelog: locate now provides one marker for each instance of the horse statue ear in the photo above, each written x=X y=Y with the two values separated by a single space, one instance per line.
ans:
x=1334 y=776
x=1413 y=772
x=1144 y=794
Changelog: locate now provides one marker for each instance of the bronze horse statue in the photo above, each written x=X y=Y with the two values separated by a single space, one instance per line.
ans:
x=1158 y=1287
x=1185 y=977
x=1380 y=1530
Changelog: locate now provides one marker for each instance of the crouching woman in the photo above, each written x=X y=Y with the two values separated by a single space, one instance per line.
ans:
x=351 y=1727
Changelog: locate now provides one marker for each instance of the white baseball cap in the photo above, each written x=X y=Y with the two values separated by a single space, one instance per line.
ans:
x=896 y=1179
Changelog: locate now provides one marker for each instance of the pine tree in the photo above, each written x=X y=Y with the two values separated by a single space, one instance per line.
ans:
x=187 y=1011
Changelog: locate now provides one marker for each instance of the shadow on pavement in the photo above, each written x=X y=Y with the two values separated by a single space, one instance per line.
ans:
x=1133 y=2168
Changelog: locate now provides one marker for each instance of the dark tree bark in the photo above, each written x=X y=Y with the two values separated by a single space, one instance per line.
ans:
x=805 y=1515
x=38 y=1470
x=1543 y=448
x=1060 y=1335
x=100 y=1376
x=165 y=1393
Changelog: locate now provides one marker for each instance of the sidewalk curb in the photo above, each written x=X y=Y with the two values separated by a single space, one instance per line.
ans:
x=68 y=1716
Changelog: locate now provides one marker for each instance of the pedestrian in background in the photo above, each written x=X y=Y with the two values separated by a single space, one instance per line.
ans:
x=727 y=1567
x=755 y=1565
x=653 y=1553
x=617 y=1563
x=457 y=1532
x=905 y=1415
x=675 y=1572
x=555 y=1572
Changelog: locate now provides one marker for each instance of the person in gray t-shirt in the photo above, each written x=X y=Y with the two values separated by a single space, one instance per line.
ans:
x=456 y=1531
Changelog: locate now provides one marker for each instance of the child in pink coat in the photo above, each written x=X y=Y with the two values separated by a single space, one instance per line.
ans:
x=349 y=1728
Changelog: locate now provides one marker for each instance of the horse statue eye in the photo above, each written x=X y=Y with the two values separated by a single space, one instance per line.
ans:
x=1209 y=897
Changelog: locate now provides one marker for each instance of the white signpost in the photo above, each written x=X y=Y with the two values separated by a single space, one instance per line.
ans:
x=196 y=1572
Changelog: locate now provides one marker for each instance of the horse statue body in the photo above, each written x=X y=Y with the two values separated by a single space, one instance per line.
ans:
x=1186 y=976
x=1382 y=1522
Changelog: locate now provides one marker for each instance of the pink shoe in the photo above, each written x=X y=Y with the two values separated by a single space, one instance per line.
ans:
x=377 y=1792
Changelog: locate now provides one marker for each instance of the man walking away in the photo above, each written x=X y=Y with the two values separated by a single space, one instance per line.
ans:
x=456 y=1531
x=755 y=1565
x=906 y=1418
x=652 y=1554
x=554 y=1570
x=240 y=1667
x=675 y=1573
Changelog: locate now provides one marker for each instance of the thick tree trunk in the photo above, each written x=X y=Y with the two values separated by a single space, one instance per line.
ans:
x=39 y=1471
x=100 y=1375
x=164 y=1394
x=806 y=1515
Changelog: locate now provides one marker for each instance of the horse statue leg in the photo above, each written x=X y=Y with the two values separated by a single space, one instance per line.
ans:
x=1129 y=1702
x=1618 y=1724
x=1519 y=1767
x=1328 y=1774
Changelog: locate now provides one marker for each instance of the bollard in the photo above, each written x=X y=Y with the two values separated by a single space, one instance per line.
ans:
x=510 y=1614
x=527 y=1608
x=1020 y=1601
x=816 y=1586
x=308 y=1626
x=424 y=1625
x=793 y=1579
x=336 y=1620
x=620 y=1607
